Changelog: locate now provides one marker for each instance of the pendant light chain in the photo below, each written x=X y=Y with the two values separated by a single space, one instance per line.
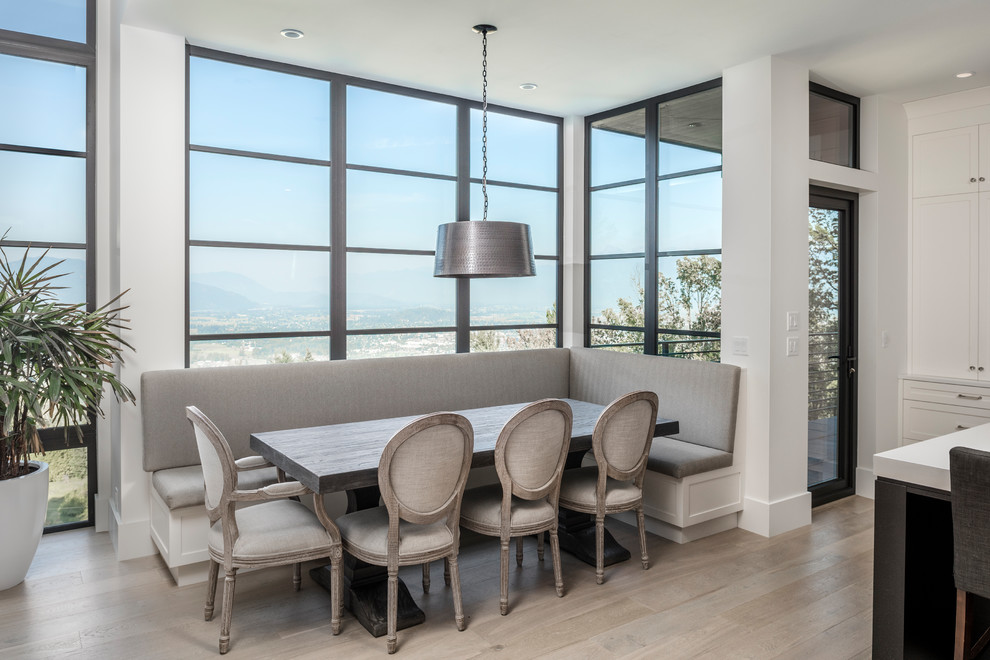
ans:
x=484 y=120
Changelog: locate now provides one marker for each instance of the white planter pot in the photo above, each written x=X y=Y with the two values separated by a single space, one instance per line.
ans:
x=23 y=503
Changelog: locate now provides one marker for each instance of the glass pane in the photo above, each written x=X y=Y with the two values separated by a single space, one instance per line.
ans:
x=485 y=341
x=233 y=352
x=520 y=150
x=513 y=300
x=618 y=148
x=248 y=290
x=690 y=132
x=242 y=107
x=393 y=211
x=397 y=291
x=58 y=19
x=44 y=103
x=42 y=198
x=831 y=134
x=72 y=283
x=623 y=341
x=823 y=343
x=617 y=291
x=536 y=208
x=400 y=132
x=400 y=345
x=618 y=220
x=690 y=213
x=692 y=348
x=689 y=293
x=68 y=484
x=258 y=201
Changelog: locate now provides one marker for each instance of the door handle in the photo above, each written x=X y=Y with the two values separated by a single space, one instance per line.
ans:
x=852 y=371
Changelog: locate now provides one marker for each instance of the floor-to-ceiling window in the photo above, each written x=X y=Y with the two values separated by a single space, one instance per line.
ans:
x=47 y=171
x=654 y=225
x=314 y=202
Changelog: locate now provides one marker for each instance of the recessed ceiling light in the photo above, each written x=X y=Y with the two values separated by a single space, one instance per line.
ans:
x=292 y=33
x=964 y=74
x=528 y=86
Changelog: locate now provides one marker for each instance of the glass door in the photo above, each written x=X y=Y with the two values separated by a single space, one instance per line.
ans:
x=831 y=344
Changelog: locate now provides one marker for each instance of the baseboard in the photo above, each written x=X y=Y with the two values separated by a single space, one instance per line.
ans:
x=190 y=573
x=865 y=481
x=685 y=534
x=773 y=518
x=131 y=539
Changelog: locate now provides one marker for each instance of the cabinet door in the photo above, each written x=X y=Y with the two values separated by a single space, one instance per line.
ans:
x=983 y=357
x=945 y=286
x=984 y=177
x=946 y=162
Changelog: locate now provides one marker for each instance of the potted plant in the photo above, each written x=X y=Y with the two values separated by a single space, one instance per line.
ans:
x=56 y=359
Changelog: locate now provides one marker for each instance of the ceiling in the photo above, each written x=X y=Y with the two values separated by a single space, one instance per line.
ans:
x=590 y=56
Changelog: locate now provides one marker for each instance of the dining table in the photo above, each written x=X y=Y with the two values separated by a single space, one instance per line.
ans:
x=345 y=457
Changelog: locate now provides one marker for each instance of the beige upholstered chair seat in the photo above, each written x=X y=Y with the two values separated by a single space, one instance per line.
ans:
x=272 y=528
x=482 y=507
x=578 y=490
x=362 y=531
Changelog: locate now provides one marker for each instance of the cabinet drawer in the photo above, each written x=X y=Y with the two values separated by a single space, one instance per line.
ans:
x=969 y=396
x=923 y=420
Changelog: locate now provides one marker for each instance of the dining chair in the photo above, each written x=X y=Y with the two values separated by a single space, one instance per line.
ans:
x=529 y=459
x=421 y=475
x=969 y=477
x=621 y=444
x=273 y=531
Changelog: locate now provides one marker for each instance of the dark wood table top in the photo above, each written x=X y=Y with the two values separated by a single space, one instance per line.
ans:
x=345 y=456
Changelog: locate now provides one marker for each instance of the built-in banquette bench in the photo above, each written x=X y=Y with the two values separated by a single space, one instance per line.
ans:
x=692 y=488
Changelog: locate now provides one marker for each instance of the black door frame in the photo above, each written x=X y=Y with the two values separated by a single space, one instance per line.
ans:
x=845 y=482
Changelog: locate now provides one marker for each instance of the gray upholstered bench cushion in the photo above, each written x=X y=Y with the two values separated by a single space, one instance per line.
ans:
x=682 y=459
x=184 y=486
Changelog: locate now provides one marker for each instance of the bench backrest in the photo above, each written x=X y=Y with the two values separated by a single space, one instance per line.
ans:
x=251 y=399
x=702 y=396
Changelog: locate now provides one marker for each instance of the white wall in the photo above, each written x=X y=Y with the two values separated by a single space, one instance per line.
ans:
x=573 y=255
x=150 y=214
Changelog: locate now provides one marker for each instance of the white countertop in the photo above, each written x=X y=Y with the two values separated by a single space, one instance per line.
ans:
x=926 y=463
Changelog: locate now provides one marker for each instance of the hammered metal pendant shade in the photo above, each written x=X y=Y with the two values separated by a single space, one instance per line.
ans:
x=484 y=248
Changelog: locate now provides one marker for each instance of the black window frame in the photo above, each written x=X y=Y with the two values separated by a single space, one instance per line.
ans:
x=652 y=252
x=61 y=51
x=338 y=248
x=848 y=99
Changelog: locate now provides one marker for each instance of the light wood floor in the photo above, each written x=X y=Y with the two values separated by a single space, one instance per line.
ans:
x=805 y=594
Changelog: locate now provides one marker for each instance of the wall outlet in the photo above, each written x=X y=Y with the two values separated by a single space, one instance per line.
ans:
x=792 y=346
x=792 y=321
x=740 y=345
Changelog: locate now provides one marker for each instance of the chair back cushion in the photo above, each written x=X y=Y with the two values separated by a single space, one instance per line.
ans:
x=214 y=455
x=969 y=476
x=424 y=467
x=624 y=433
x=532 y=447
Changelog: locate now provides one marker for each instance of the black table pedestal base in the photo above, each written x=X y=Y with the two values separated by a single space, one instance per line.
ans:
x=580 y=541
x=369 y=603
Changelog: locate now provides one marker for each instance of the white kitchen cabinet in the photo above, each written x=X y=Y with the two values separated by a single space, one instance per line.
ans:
x=951 y=162
x=931 y=408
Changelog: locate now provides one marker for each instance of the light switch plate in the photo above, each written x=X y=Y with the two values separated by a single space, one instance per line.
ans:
x=792 y=346
x=740 y=345
x=792 y=321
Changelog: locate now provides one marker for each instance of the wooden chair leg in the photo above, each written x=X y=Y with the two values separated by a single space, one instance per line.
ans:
x=539 y=546
x=455 y=581
x=558 y=578
x=296 y=576
x=599 y=549
x=519 y=551
x=228 y=609
x=446 y=571
x=211 y=589
x=393 y=600
x=335 y=591
x=503 y=577
x=426 y=578
x=642 y=537
x=966 y=649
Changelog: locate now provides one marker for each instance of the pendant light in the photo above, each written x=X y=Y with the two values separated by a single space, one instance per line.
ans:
x=485 y=248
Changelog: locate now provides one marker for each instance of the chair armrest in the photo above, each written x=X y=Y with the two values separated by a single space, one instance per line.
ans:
x=277 y=491
x=251 y=463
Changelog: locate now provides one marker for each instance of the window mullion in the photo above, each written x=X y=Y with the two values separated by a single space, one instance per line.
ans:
x=338 y=222
x=652 y=214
